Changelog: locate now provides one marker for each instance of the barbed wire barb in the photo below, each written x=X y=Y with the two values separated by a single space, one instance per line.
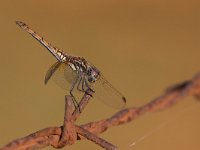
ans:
x=69 y=133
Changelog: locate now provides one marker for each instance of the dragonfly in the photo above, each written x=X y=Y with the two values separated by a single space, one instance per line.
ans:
x=75 y=73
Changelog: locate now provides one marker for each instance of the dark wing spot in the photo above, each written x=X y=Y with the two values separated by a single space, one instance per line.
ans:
x=124 y=99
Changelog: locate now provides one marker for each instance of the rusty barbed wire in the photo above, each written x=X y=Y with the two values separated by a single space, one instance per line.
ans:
x=69 y=133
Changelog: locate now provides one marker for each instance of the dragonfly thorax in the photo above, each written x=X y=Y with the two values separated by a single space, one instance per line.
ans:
x=77 y=63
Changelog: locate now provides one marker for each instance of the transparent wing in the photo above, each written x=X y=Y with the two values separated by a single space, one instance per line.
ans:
x=62 y=74
x=105 y=92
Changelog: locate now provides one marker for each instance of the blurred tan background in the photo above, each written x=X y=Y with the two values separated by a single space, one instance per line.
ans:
x=142 y=47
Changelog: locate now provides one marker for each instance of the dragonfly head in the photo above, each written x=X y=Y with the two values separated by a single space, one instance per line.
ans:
x=93 y=74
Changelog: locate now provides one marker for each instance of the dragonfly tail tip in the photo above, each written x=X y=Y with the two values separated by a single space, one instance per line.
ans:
x=20 y=23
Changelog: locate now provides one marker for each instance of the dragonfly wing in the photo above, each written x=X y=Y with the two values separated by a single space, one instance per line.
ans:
x=108 y=94
x=51 y=71
x=62 y=74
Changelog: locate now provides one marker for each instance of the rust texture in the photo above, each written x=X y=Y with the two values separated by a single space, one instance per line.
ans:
x=69 y=133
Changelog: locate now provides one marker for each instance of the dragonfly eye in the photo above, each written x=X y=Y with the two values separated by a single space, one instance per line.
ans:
x=93 y=74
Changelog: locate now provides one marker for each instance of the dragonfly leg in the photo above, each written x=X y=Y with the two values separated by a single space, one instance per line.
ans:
x=76 y=105
x=83 y=85
x=71 y=94
x=88 y=87
x=79 y=83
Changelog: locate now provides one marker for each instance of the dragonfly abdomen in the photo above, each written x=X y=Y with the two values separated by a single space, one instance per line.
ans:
x=60 y=55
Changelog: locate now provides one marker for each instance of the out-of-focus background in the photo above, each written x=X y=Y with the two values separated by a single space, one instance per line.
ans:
x=142 y=47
